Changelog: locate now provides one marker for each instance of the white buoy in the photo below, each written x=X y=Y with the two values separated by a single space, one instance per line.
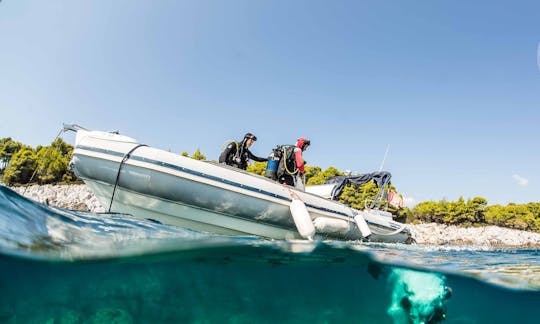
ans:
x=362 y=225
x=301 y=218
x=326 y=225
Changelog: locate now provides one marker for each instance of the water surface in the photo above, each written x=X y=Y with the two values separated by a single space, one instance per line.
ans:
x=60 y=266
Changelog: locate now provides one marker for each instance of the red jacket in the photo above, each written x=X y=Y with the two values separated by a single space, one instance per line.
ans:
x=298 y=155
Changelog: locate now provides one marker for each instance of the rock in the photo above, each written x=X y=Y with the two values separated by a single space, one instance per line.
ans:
x=439 y=234
x=76 y=197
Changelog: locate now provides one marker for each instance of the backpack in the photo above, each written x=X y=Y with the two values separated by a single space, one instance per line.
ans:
x=287 y=163
x=233 y=158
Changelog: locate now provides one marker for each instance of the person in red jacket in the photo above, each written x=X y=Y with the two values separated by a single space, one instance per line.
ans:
x=294 y=164
x=301 y=145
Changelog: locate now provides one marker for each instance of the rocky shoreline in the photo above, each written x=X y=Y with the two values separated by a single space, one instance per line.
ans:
x=79 y=197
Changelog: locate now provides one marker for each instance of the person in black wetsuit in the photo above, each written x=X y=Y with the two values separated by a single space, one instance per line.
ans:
x=238 y=154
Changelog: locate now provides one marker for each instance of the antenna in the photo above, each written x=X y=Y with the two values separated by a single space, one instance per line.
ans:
x=384 y=158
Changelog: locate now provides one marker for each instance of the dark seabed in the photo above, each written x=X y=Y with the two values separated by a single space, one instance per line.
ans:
x=60 y=266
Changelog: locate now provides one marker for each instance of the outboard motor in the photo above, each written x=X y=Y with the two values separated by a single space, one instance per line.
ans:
x=273 y=163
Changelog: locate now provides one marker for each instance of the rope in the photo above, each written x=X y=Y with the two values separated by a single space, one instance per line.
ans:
x=379 y=197
x=285 y=164
x=124 y=159
x=399 y=230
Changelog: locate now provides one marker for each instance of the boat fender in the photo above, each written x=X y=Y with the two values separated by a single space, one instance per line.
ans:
x=326 y=225
x=362 y=225
x=302 y=220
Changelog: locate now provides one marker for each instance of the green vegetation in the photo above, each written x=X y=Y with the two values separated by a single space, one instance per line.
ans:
x=197 y=155
x=477 y=212
x=49 y=164
x=8 y=147
x=21 y=167
x=257 y=168
x=42 y=165
x=315 y=176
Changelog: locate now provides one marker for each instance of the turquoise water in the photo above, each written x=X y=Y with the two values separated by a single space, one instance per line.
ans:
x=59 y=266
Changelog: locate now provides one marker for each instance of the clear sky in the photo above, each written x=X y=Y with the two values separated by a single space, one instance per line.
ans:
x=451 y=87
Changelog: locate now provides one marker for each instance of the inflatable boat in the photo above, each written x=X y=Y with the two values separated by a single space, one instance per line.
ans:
x=129 y=177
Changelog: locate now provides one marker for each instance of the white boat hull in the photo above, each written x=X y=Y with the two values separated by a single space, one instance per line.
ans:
x=178 y=214
x=154 y=184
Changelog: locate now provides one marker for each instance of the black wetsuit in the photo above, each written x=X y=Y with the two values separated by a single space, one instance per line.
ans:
x=229 y=156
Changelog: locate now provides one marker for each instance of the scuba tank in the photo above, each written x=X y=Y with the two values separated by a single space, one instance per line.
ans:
x=287 y=164
x=273 y=163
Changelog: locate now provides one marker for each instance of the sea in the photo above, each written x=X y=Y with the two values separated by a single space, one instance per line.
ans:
x=63 y=266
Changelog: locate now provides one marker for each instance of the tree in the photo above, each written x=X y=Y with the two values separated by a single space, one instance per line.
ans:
x=478 y=207
x=51 y=166
x=430 y=211
x=513 y=216
x=22 y=166
x=352 y=196
x=48 y=164
x=64 y=148
x=198 y=155
x=458 y=213
x=257 y=168
x=311 y=171
x=53 y=162
x=403 y=215
x=534 y=208
x=8 y=147
x=359 y=196
x=319 y=177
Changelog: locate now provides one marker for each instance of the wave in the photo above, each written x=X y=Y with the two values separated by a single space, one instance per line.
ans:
x=36 y=231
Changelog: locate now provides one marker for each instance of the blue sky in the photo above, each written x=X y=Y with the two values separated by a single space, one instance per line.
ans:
x=452 y=87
